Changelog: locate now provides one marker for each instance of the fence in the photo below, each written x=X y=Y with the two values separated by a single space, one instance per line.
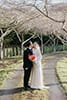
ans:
x=12 y=51
x=17 y=51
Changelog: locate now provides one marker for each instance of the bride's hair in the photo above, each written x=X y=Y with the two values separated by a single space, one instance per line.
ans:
x=36 y=43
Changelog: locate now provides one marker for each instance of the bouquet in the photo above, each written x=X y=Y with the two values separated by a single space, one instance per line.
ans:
x=32 y=57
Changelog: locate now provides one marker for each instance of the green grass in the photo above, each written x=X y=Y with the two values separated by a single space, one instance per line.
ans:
x=7 y=67
x=32 y=95
x=49 y=49
x=62 y=72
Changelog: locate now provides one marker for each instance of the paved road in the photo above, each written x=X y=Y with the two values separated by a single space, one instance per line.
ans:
x=12 y=85
x=56 y=92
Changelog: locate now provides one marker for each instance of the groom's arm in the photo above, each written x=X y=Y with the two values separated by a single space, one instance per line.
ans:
x=24 y=59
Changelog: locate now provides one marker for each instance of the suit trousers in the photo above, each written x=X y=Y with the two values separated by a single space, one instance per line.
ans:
x=27 y=76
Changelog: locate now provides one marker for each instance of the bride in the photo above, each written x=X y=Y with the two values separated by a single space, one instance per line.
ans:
x=37 y=75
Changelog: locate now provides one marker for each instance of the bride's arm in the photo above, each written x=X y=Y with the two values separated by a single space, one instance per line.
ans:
x=39 y=56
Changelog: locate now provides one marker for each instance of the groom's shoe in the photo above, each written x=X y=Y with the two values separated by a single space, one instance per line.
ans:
x=28 y=86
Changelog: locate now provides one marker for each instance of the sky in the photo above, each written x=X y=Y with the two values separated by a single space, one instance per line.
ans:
x=39 y=3
x=53 y=1
x=58 y=1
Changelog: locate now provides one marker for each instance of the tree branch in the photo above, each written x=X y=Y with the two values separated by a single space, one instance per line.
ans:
x=6 y=33
x=59 y=21
x=17 y=35
x=22 y=23
x=45 y=6
x=59 y=37
x=28 y=39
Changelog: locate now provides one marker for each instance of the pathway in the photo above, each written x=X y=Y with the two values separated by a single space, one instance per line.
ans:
x=50 y=79
x=56 y=92
x=12 y=85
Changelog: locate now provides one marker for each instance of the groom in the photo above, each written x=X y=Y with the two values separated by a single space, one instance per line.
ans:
x=27 y=64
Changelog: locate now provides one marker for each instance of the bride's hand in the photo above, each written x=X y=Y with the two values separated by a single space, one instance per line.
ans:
x=33 y=58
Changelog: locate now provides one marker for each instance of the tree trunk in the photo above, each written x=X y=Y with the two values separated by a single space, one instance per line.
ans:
x=1 y=49
x=41 y=43
x=54 y=46
x=22 y=44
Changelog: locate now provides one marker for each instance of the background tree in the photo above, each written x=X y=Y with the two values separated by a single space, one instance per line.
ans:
x=41 y=16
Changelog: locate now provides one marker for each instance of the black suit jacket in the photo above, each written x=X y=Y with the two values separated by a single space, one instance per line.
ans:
x=26 y=61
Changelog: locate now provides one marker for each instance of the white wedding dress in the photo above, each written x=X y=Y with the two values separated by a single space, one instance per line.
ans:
x=36 y=74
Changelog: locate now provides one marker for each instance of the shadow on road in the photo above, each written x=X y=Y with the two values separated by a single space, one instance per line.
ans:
x=11 y=91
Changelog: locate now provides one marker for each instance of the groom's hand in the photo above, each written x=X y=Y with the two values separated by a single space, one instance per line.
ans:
x=26 y=68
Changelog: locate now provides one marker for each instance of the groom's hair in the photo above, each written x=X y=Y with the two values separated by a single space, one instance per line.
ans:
x=28 y=43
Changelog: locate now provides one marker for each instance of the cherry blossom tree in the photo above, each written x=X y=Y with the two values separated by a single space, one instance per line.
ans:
x=40 y=15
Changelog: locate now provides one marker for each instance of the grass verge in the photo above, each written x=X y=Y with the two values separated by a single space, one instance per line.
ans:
x=6 y=67
x=32 y=95
x=61 y=70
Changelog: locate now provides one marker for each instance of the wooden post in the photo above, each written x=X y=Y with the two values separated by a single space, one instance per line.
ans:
x=63 y=47
x=1 y=49
x=41 y=43
x=1 y=45
x=54 y=46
